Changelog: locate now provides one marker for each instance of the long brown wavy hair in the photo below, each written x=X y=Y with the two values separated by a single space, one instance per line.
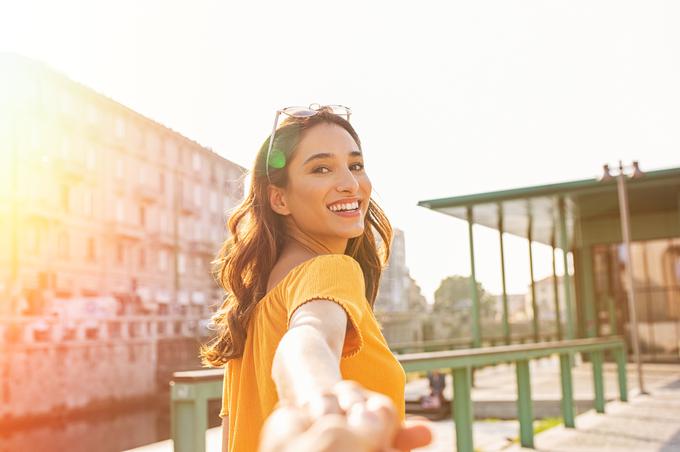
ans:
x=245 y=260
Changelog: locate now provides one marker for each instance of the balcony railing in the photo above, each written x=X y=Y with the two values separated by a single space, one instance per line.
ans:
x=45 y=330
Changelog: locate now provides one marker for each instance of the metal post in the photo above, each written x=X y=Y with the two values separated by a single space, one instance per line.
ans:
x=534 y=304
x=506 y=322
x=476 y=330
x=567 y=391
x=625 y=230
x=598 y=381
x=462 y=409
x=620 y=356
x=556 y=293
x=189 y=418
x=526 y=417
x=566 y=279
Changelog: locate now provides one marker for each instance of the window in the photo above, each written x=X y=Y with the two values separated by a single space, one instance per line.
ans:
x=91 y=252
x=142 y=216
x=63 y=245
x=88 y=204
x=162 y=260
x=91 y=159
x=163 y=222
x=65 y=198
x=213 y=201
x=161 y=182
x=120 y=128
x=142 y=258
x=65 y=147
x=92 y=114
x=120 y=210
x=181 y=263
x=142 y=173
x=196 y=161
x=32 y=239
x=197 y=195
x=119 y=168
x=120 y=253
x=170 y=152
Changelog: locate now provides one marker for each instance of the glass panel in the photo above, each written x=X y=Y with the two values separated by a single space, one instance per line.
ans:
x=656 y=274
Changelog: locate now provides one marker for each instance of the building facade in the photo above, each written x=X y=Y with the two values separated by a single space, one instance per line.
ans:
x=97 y=200
x=398 y=291
x=545 y=291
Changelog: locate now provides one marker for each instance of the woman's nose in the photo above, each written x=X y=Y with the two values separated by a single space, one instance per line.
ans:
x=347 y=182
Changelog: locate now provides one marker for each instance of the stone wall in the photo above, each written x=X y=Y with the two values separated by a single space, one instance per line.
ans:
x=39 y=377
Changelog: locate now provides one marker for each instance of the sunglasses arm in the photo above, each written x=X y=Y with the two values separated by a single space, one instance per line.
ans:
x=271 y=142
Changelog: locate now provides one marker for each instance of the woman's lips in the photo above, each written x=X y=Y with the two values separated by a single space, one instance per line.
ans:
x=348 y=213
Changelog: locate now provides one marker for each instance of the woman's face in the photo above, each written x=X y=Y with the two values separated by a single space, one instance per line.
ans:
x=328 y=191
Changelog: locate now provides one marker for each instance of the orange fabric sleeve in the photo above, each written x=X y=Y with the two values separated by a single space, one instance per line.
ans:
x=337 y=278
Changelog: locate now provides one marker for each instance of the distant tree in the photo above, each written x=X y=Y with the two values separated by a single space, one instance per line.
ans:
x=454 y=296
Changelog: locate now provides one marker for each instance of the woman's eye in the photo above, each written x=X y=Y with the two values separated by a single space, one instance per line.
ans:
x=321 y=170
x=357 y=166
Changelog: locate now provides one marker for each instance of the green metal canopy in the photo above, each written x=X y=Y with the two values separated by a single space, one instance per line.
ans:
x=538 y=206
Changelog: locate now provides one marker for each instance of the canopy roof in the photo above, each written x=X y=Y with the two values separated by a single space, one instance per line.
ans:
x=538 y=205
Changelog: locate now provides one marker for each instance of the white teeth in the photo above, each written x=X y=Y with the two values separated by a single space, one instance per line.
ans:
x=348 y=206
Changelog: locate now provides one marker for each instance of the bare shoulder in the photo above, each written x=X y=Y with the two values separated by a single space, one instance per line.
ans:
x=286 y=262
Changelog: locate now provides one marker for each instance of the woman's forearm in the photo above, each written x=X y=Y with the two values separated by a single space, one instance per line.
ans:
x=304 y=365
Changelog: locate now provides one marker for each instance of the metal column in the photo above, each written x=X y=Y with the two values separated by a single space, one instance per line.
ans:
x=506 y=322
x=566 y=280
x=556 y=294
x=534 y=305
x=476 y=330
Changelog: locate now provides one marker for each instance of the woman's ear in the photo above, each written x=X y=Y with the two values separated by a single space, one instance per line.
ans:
x=277 y=200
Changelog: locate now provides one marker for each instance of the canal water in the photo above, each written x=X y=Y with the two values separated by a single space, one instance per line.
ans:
x=113 y=430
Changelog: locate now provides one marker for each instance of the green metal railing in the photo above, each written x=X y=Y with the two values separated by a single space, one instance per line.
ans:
x=461 y=362
x=190 y=391
x=189 y=395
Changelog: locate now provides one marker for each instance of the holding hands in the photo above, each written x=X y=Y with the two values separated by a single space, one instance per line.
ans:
x=348 y=418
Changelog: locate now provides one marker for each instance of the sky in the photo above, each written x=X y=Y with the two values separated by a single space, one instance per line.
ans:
x=449 y=98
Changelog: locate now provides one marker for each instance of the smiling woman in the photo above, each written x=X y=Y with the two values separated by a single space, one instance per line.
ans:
x=301 y=269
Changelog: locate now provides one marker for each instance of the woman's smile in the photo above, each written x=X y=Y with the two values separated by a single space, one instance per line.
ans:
x=346 y=208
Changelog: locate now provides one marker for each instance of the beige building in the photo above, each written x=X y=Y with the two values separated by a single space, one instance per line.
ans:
x=98 y=200
x=545 y=298
x=398 y=291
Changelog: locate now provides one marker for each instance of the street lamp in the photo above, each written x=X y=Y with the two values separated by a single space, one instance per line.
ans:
x=625 y=230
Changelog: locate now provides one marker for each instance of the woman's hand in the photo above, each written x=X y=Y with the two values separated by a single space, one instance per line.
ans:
x=347 y=418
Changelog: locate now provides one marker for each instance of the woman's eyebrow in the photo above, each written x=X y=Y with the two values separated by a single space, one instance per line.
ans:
x=327 y=155
x=320 y=155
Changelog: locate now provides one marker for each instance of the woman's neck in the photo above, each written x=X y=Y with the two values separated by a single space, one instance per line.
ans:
x=297 y=239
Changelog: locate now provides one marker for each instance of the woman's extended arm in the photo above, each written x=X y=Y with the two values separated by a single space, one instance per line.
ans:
x=307 y=360
x=307 y=367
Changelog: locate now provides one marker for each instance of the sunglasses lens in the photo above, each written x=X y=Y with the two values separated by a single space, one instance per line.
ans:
x=299 y=112
x=339 y=110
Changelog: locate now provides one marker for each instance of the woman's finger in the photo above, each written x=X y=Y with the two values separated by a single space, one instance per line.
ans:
x=412 y=435
x=284 y=424
x=349 y=393
x=330 y=433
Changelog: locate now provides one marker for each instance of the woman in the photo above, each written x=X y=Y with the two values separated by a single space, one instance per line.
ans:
x=302 y=268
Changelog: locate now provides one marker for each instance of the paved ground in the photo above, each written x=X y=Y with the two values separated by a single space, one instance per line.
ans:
x=494 y=394
x=647 y=423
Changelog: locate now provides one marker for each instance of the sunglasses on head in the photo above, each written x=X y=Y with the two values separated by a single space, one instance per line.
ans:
x=277 y=160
